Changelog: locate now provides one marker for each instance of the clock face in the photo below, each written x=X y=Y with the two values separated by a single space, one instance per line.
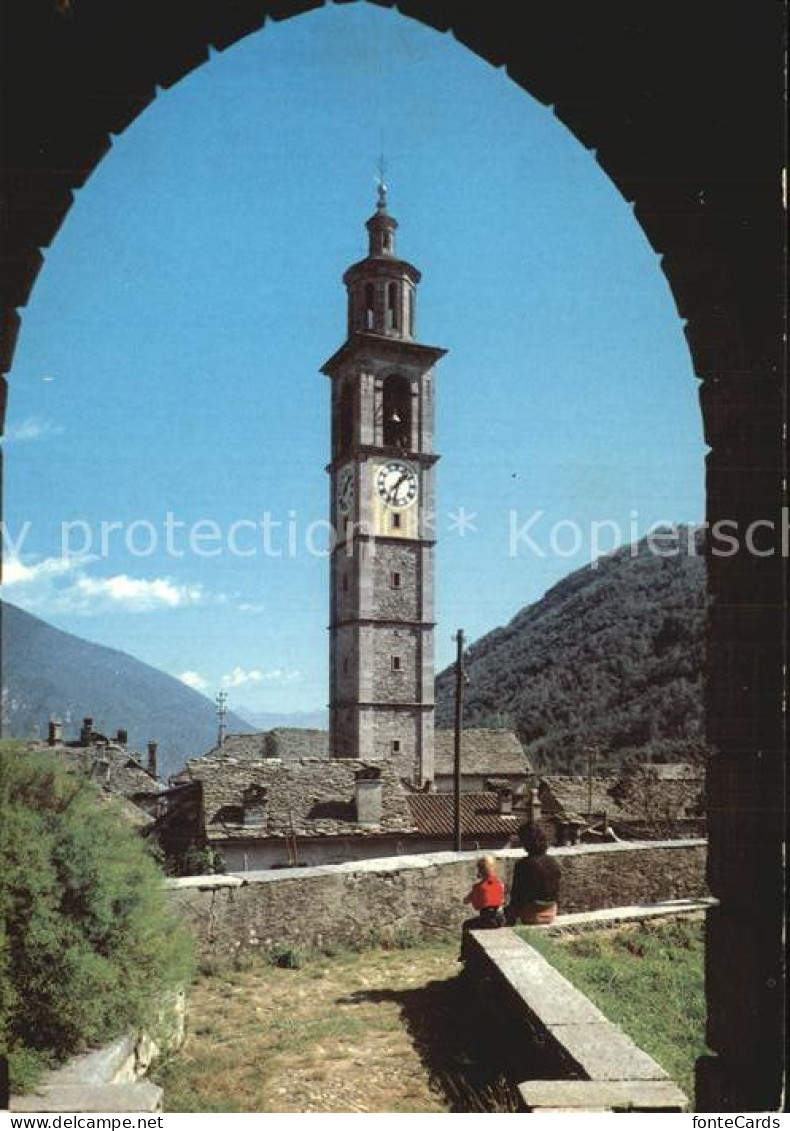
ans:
x=396 y=483
x=345 y=489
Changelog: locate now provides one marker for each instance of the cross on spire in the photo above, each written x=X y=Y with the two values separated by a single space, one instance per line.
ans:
x=382 y=184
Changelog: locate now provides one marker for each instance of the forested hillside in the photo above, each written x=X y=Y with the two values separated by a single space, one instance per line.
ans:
x=611 y=657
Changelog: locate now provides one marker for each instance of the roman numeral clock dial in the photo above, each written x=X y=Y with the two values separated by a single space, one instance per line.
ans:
x=396 y=484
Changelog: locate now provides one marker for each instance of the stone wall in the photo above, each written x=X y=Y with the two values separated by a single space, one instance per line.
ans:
x=348 y=903
x=389 y=685
x=401 y=602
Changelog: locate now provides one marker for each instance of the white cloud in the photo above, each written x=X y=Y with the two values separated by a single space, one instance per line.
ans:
x=17 y=572
x=238 y=677
x=63 y=585
x=194 y=680
x=252 y=607
x=33 y=428
x=139 y=594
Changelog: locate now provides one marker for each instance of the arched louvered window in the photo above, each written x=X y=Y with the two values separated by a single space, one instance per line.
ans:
x=397 y=411
x=392 y=306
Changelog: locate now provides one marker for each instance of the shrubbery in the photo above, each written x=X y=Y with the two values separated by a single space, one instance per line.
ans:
x=87 y=947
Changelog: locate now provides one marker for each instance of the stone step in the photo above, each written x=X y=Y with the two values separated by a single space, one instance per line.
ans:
x=600 y=1095
x=638 y=912
x=587 y=1043
x=142 y=1096
x=113 y=1063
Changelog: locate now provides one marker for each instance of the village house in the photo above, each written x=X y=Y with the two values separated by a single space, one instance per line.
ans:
x=486 y=753
x=257 y=812
x=117 y=771
x=489 y=819
x=645 y=802
x=285 y=812
x=286 y=743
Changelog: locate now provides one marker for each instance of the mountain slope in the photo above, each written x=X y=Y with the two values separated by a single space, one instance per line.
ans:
x=269 y=720
x=610 y=657
x=52 y=674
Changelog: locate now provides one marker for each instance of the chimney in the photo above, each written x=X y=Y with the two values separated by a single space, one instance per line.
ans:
x=534 y=807
x=505 y=797
x=55 y=736
x=122 y=738
x=86 y=731
x=255 y=805
x=367 y=795
x=153 y=746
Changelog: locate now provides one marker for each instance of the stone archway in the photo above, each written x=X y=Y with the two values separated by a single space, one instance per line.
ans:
x=681 y=104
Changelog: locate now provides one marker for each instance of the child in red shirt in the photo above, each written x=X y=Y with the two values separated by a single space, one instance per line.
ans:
x=487 y=897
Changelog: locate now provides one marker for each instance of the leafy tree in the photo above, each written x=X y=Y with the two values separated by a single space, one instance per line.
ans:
x=87 y=946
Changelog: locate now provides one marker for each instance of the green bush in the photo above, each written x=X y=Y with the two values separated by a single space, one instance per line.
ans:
x=87 y=947
x=196 y=862
x=288 y=957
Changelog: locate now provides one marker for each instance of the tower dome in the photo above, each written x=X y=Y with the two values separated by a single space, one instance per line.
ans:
x=382 y=288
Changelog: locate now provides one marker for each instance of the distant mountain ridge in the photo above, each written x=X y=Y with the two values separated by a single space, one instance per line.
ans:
x=48 y=674
x=610 y=657
x=270 y=720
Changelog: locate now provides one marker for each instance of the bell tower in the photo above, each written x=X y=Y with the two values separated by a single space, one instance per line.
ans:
x=381 y=695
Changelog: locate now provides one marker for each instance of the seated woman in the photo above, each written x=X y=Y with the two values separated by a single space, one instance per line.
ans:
x=536 y=882
x=487 y=896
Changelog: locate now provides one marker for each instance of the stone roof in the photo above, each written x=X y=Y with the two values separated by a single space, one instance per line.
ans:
x=570 y=797
x=670 y=771
x=111 y=766
x=433 y=814
x=663 y=790
x=308 y=797
x=484 y=752
x=646 y=792
x=132 y=814
x=287 y=743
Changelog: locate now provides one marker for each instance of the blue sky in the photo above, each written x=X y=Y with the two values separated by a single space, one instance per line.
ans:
x=168 y=361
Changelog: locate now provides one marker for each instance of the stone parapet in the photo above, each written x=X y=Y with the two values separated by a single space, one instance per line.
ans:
x=416 y=895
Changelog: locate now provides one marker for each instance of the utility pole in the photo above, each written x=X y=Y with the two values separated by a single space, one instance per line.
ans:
x=222 y=710
x=459 y=722
x=591 y=752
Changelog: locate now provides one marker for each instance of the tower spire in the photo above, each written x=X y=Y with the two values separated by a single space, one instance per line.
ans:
x=380 y=180
x=381 y=226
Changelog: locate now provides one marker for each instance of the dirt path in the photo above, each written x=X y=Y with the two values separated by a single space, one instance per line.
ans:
x=345 y=1034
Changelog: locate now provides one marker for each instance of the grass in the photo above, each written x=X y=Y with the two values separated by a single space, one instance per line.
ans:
x=301 y=1032
x=648 y=979
x=393 y=1029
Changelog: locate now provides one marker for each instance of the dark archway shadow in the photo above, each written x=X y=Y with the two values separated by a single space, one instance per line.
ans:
x=475 y=1050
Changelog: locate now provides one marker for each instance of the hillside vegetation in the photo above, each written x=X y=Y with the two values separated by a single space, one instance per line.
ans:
x=87 y=944
x=610 y=657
